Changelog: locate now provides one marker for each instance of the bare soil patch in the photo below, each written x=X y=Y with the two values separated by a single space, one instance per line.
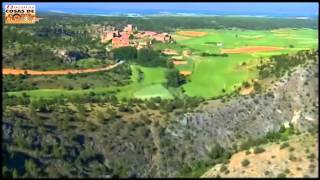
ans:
x=247 y=91
x=180 y=62
x=185 y=73
x=192 y=33
x=170 y=52
x=252 y=37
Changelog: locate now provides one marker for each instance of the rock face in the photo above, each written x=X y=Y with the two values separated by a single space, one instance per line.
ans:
x=70 y=56
x=7 y=132
x=293 y=99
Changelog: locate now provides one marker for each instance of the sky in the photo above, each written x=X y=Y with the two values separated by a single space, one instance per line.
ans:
x=287 y=8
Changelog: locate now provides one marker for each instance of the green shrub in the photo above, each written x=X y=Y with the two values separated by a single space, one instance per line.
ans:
x=292 y=157
x=284 y=145
x=287 y=171
x=281 y=175
x=245 y=162
x=223 y=168
x=85 y=86
x=267 y=173
x=311 y=156
x=258 y=150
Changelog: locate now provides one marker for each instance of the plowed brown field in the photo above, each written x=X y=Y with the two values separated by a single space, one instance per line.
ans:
x=180 y=62
x=185 y=73
x=192 y=33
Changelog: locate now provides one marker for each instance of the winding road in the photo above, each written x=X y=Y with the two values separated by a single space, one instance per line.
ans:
x=8 y=71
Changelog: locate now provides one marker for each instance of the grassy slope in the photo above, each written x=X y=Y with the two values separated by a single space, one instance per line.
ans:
x=152 y=76
x=210 y=76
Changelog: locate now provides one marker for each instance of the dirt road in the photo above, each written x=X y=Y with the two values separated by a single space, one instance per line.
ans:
x=58 y=72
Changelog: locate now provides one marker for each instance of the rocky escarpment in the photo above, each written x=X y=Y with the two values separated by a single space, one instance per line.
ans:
x=293 y=99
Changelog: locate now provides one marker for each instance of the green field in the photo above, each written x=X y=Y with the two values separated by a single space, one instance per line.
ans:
x=300 y=38
x=153 y=91
x=153 y=78
x=210 y=74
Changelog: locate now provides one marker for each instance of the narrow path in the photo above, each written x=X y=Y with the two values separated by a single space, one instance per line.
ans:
x=8 y=71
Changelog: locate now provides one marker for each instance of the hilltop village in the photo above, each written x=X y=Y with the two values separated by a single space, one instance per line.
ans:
x=130 y=36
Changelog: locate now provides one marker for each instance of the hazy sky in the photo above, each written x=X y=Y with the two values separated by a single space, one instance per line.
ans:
x=299 y=8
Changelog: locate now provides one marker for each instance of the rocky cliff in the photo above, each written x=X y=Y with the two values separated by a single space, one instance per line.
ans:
x=293 y=99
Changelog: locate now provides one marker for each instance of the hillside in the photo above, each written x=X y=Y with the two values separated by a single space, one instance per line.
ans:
x=298 y=159
x=102 y=137
x=222 y=90
x=244 y=119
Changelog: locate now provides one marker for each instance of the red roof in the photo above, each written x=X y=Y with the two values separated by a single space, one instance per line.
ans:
x=150 y=33
x=120 y=41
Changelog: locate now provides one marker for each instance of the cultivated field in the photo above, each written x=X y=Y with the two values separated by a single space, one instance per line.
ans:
x=208 y=76
x=211 y=74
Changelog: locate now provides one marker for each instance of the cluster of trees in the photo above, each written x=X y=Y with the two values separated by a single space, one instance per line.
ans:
x=34 y=47
x=146 y=56
x=170 y=23
x=116 y=77
x=140 y=75
x=125 y=53
x=174 y=78
x=272 y=136
x=214 y=54
x=278 y=65
x=17 y=83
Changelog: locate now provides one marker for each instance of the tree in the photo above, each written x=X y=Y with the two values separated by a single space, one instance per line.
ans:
x=5 y=171
x=111 y=113
x=125 y=53
x=257 y=87
x=56 y=151
x=150 y=57
x=31 y=168
x=246 y=84
x=100 y=116
x=52 y=172
x=140 y=75
x=85 y=86
x=174 y=78
x=170 y=64
x=15 y=173
x=245 y=162
x=216 y=152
